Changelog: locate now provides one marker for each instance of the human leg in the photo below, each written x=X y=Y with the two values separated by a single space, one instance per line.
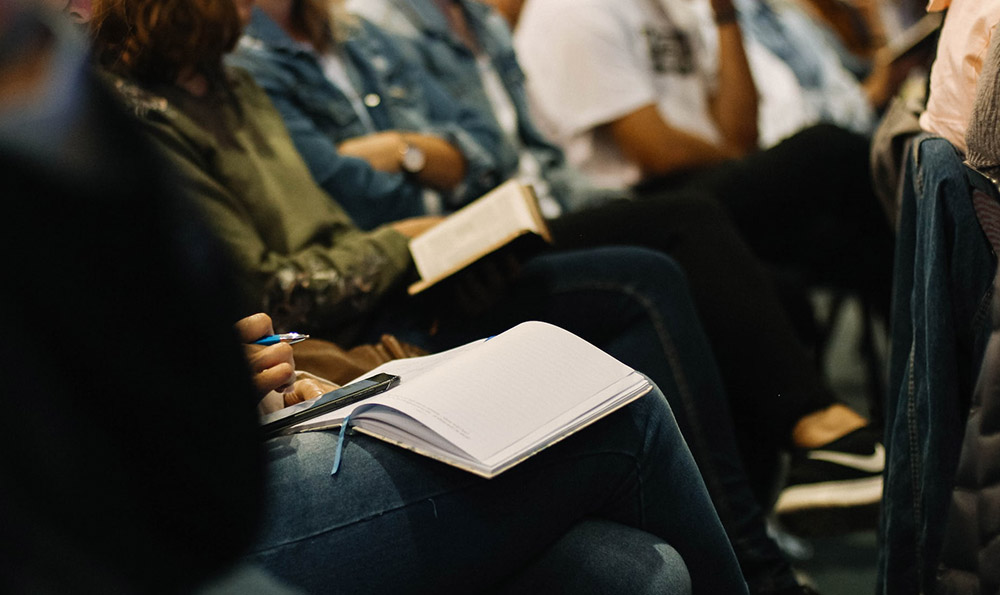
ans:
x=392 y=521
x=808 y=203
x=598 y=557
x=770 y=380
x=634 y=304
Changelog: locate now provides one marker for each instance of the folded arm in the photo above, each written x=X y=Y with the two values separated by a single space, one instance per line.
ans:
x=306 y=264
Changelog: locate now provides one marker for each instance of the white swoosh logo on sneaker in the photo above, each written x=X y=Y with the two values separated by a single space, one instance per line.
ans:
x=873 y=463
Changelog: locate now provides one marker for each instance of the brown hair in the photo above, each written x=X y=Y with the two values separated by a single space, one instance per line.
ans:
x=323 y=22
x=312 y=19
x=157 y=40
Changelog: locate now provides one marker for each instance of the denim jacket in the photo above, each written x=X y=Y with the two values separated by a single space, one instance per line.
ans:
x=398 y=96
x=942 y=285
x=425 y=29
x=811 y=51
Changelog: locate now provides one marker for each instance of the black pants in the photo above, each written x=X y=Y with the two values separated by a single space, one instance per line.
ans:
x=806 y=205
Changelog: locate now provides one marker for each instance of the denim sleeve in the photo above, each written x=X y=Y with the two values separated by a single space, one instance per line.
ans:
x=475 y=134
x=371 y=197
x=476 y=138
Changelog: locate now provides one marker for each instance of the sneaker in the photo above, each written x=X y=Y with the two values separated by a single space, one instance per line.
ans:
x=836 y=487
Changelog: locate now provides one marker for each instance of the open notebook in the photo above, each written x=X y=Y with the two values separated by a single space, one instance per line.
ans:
x=488 y=405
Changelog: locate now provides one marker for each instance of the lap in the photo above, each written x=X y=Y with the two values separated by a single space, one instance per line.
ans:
x=399 y=521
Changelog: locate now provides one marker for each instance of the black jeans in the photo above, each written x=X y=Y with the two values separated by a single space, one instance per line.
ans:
x=770 y=379
x=806 y=206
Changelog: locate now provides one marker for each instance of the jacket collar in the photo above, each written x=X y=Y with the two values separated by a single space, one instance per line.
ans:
x=426 y=16
x=264 y=29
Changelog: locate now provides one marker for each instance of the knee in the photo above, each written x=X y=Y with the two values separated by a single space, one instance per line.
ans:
x=653 y=413
x=836 y=140
x=599 y=556
x=644 y=267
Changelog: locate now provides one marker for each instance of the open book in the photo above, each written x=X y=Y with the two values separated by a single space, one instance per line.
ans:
x=488 y=405
x=496 y=219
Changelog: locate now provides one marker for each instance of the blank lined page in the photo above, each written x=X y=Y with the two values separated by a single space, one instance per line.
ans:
x=499 y=391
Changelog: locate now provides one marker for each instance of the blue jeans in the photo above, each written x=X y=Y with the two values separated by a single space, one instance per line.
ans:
x=392 y=521
x=598 y=557
x=942 y=282
x=634 y=304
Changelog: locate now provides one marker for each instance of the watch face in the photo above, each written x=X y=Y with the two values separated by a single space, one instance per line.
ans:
x=414 y=159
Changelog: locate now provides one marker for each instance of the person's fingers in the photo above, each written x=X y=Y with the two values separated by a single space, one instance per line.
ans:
x=273 y=366
x=263 y=357
x=254 y=327
x=275 y=377
x=305 y=389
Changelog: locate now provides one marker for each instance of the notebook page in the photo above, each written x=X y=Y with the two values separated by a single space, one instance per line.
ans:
x=517 y=383
x=407 y=369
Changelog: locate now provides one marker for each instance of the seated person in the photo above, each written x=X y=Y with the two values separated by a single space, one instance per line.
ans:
x=782 y=39
x=300 y=256
x=469 y=50
x=282 y=549
x=136 y=466
x=962 y=50
x=372 y=128
x=762 y=363
x=669 y=115
x=133 y=460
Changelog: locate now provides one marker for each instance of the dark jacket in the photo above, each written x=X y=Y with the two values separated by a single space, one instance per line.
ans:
x=970 y=557
x=131 y=457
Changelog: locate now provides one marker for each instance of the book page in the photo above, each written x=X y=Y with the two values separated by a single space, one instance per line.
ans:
x=518 y=383
x=473 y=231
x=408 y=368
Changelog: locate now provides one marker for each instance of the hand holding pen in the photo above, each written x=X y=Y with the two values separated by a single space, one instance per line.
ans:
x=271 y=363
x=290 y=338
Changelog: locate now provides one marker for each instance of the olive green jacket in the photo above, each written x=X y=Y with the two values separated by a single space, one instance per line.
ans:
x=299 y=253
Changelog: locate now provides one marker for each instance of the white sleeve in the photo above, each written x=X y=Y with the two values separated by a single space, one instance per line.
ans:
x=586 y=61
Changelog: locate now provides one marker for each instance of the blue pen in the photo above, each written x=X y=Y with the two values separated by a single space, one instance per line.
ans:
x=282 y=338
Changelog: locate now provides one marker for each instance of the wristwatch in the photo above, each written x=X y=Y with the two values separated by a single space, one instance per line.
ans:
x=412 y=158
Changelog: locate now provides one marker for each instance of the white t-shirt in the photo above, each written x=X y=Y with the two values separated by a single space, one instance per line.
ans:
x=336 y=72
x=784 y=106
x=590 y=62
x=529 y=170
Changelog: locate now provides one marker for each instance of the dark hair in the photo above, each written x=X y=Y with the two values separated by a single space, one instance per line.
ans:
x=312 y=18
x=155 y=41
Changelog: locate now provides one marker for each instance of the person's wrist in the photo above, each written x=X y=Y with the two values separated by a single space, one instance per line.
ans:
x=412 y=158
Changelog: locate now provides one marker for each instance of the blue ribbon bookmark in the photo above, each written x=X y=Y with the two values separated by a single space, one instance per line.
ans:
x=340 y=445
